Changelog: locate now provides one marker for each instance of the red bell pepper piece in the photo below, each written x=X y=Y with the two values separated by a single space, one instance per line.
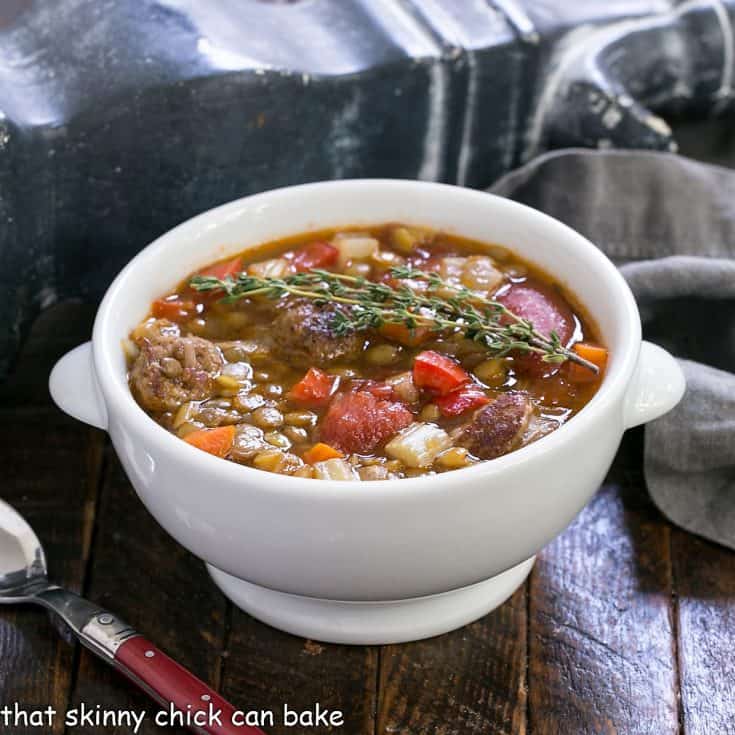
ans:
x=438 y=373
x=224 y=269
x=314 y=388
x=316 y=254
x=462 y=399
x=173 y=308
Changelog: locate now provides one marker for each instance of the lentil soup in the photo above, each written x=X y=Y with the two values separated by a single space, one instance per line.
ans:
x=365 y=354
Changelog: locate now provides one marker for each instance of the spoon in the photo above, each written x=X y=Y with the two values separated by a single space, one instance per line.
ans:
x=23 y=578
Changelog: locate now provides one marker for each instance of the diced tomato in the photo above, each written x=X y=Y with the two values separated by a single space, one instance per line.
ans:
x=217 y=441
x=173 y=308
x=360 y=422
x=461 y=400
x=224 y=269
x=438 y=373
x=315 y=388
x=404 y=336
x=316 y=254
x=548 y=312
x=592 y=353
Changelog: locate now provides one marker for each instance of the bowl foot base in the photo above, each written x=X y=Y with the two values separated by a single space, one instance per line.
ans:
x=372 y=623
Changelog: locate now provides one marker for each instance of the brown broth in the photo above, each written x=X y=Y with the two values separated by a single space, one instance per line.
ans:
x=263 y=375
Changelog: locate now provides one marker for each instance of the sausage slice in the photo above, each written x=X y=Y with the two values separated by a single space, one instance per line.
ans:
x=497 y=428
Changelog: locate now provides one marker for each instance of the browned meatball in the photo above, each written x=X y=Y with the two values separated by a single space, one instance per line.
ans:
x=170 y=370
x=303 y=331
x=497 y=428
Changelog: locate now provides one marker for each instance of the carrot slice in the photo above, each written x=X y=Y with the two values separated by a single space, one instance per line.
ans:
x=594 y=354
x=320 y=452
x=217 y=441
x=404 y=336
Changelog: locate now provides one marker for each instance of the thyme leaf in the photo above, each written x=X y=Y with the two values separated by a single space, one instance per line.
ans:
x=442 y=307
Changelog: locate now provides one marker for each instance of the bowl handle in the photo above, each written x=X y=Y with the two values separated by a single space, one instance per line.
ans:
x=657 y=386
x=73 y=386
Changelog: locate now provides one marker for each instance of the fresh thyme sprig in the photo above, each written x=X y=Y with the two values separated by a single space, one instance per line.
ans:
x=443 y=307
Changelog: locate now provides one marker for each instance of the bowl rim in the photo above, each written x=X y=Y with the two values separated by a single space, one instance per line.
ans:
x=121 y=404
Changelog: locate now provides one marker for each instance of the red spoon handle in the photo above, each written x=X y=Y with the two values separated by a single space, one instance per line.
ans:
x=171 y=684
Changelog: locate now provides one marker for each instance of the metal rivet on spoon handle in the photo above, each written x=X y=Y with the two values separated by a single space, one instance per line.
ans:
x=23 y=578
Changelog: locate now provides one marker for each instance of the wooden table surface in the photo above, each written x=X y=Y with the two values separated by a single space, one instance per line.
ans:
x=626 y=624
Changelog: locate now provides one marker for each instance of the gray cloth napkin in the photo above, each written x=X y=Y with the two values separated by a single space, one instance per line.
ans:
x=669 y=223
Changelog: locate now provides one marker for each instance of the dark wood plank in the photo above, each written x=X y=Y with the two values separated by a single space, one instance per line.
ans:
x=143 y=575
x=468 y=682
x=266 y=669
x=45 y=479
x=601 y=646
x=704 y=580
x=51 y=467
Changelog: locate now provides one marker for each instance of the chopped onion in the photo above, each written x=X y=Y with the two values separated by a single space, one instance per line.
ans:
x=130 y=349
x=450 y=269
x=539 y=426
x=404 y=387
x=418 y=445
x=335 y=469
x=387 y=258
x=273 y=268
x=477 y=272
x=185 y=412
x=354 y=246
x=373 y=472
x=480 y=274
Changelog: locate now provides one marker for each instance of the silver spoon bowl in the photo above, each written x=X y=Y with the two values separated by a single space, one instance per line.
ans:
x=24 y=579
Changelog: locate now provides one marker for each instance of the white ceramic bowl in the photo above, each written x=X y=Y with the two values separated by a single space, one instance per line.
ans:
x=370 y=562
